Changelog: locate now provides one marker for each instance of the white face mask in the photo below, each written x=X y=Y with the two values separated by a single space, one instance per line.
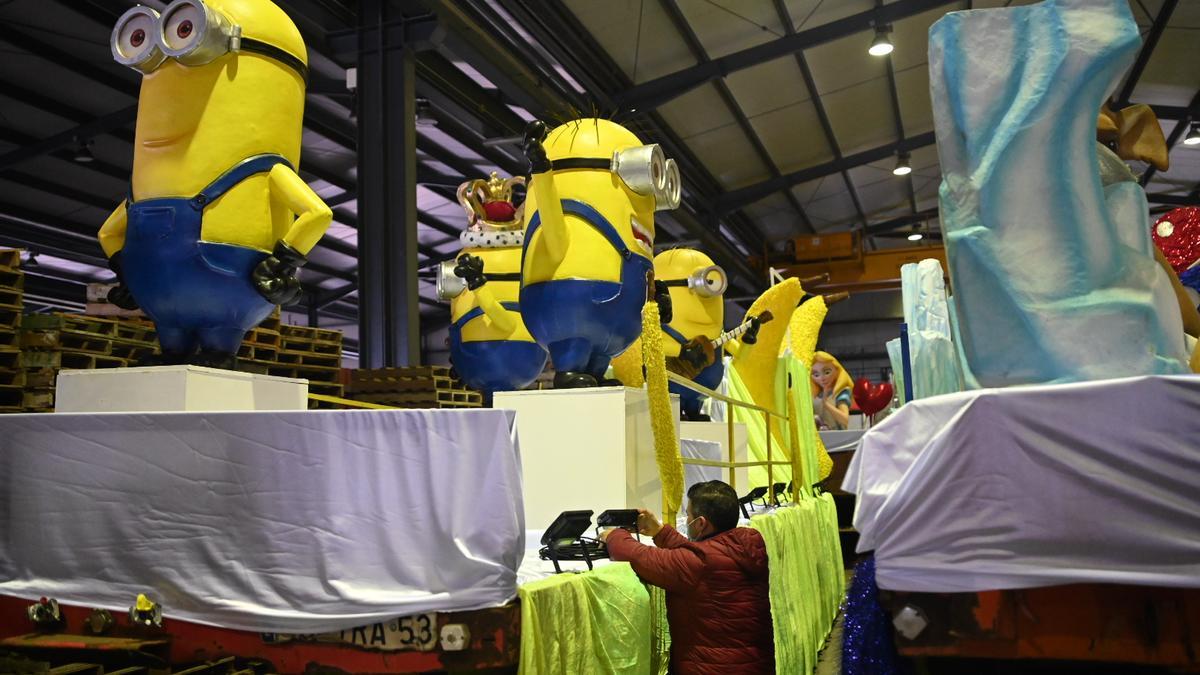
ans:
x=688 y=527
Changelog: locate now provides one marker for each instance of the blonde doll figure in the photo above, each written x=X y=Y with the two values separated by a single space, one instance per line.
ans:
x=832 y=392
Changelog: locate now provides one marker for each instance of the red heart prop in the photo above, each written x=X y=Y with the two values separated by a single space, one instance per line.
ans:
x=872 y=398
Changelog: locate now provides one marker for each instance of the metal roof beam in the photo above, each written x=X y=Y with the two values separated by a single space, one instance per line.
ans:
x=736 y=199
x=656 y=92
x=700 y=54
x=1143 y=57
x=785 y=18
x=1181 y=127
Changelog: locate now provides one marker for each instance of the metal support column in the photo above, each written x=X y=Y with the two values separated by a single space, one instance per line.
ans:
x=389 y=334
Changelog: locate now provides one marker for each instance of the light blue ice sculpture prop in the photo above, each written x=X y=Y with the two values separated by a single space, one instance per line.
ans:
x=1054 y=277
x=926 y=311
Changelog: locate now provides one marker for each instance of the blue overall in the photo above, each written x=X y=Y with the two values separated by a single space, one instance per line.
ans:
x=199 y=294
x=691 y=401
x=583 y=323
x=1191 y=278
x=494 y=365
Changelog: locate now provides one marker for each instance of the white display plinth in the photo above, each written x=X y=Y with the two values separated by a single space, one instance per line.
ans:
x=585 y=449
x=175 y=389
x=718 y=432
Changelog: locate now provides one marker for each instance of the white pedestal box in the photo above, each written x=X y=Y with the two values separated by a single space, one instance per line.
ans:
x=585 y=449
x=175 y=389
x=718 y=432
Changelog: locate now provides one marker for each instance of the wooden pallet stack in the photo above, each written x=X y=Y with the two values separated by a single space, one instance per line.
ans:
x=260 y=348
x=412 y=387
x=54 y=342
x=12 y=294
x=314 y=354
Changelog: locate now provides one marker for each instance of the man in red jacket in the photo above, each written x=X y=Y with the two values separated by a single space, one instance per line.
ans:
x=716 y=583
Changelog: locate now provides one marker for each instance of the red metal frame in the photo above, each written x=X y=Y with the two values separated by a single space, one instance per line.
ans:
x=1085 y=622
x=495 y=643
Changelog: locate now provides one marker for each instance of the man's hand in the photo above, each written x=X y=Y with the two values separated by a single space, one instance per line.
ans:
x=605 y=532
x=648 y=523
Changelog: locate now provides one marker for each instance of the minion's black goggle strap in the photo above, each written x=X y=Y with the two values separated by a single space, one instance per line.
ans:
x=707 y=282
x=643 y=169
x=188 y=31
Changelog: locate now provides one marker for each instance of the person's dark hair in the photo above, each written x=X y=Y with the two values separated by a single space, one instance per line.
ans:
x=716 y=501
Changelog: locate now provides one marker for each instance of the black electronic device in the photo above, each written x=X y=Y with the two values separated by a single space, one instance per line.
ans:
x=751 y=497
x=626 y=519
x=780 y=492
x=564 y=540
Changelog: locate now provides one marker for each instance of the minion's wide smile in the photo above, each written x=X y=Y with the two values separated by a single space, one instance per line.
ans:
x=643 y=237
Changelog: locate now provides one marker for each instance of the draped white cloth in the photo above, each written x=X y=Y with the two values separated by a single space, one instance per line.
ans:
x=291 y=522
x=1097 y=482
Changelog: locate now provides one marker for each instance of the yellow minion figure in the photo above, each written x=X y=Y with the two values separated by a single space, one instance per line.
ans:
x=217 y=220
x=490 y=347
x=589 y=238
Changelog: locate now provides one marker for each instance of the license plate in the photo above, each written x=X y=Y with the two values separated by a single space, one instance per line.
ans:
x=407 y=633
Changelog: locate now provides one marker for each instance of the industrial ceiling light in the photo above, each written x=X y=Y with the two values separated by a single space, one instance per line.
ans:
x=83 y=152
x=425 y=116
x=882 y=44
x=916 y=236
x=903 y=168
x=1193 y=137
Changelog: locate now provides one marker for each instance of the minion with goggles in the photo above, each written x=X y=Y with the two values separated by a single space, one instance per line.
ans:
x=696 y=286
x=217 y=221
x=586 y=267
x=490 y=347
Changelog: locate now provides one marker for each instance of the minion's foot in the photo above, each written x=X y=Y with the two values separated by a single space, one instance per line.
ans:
x=164 y=359
x=211 y=359
x=572 y=380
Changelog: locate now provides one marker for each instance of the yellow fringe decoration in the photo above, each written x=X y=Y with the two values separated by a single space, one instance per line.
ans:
x=627 y=366
x=805 y=326
x=662 y=418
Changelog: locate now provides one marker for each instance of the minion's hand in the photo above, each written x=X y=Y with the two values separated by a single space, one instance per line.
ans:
x=751 y=334
x=535 y=152
x=662 y=295
x=119 y=295
x=470 y=269
x=275 y=277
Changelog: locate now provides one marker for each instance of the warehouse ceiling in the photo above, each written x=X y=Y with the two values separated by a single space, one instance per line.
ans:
x=781 y=121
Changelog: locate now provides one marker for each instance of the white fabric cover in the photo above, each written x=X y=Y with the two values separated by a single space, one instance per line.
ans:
x=1084 y=483
x=290 y=522
x=694 y=448
x=926 y=311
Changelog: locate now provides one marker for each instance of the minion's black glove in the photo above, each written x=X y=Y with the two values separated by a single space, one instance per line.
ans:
x=469 y=268
x=275 y=277
x=662 y=295
x=535 y=152
x=751 y=334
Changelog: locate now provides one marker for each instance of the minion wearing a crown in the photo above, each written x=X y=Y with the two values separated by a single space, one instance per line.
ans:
x=490 y=347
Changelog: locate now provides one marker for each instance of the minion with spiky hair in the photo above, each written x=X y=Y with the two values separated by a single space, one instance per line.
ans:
x=589 y=239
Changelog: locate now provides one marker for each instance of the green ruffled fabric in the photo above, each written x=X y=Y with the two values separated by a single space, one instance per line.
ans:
x=807 y=583
x=604 y=621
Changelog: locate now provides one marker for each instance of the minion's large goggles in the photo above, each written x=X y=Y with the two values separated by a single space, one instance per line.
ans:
x=188 y=31
x=643 y=169
x=707 y=282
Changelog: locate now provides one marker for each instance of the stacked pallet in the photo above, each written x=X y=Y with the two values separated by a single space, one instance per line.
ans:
x=261 y=345
x=314 y=354
x=54 y=342
x=412 y=387
x=12 y=284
